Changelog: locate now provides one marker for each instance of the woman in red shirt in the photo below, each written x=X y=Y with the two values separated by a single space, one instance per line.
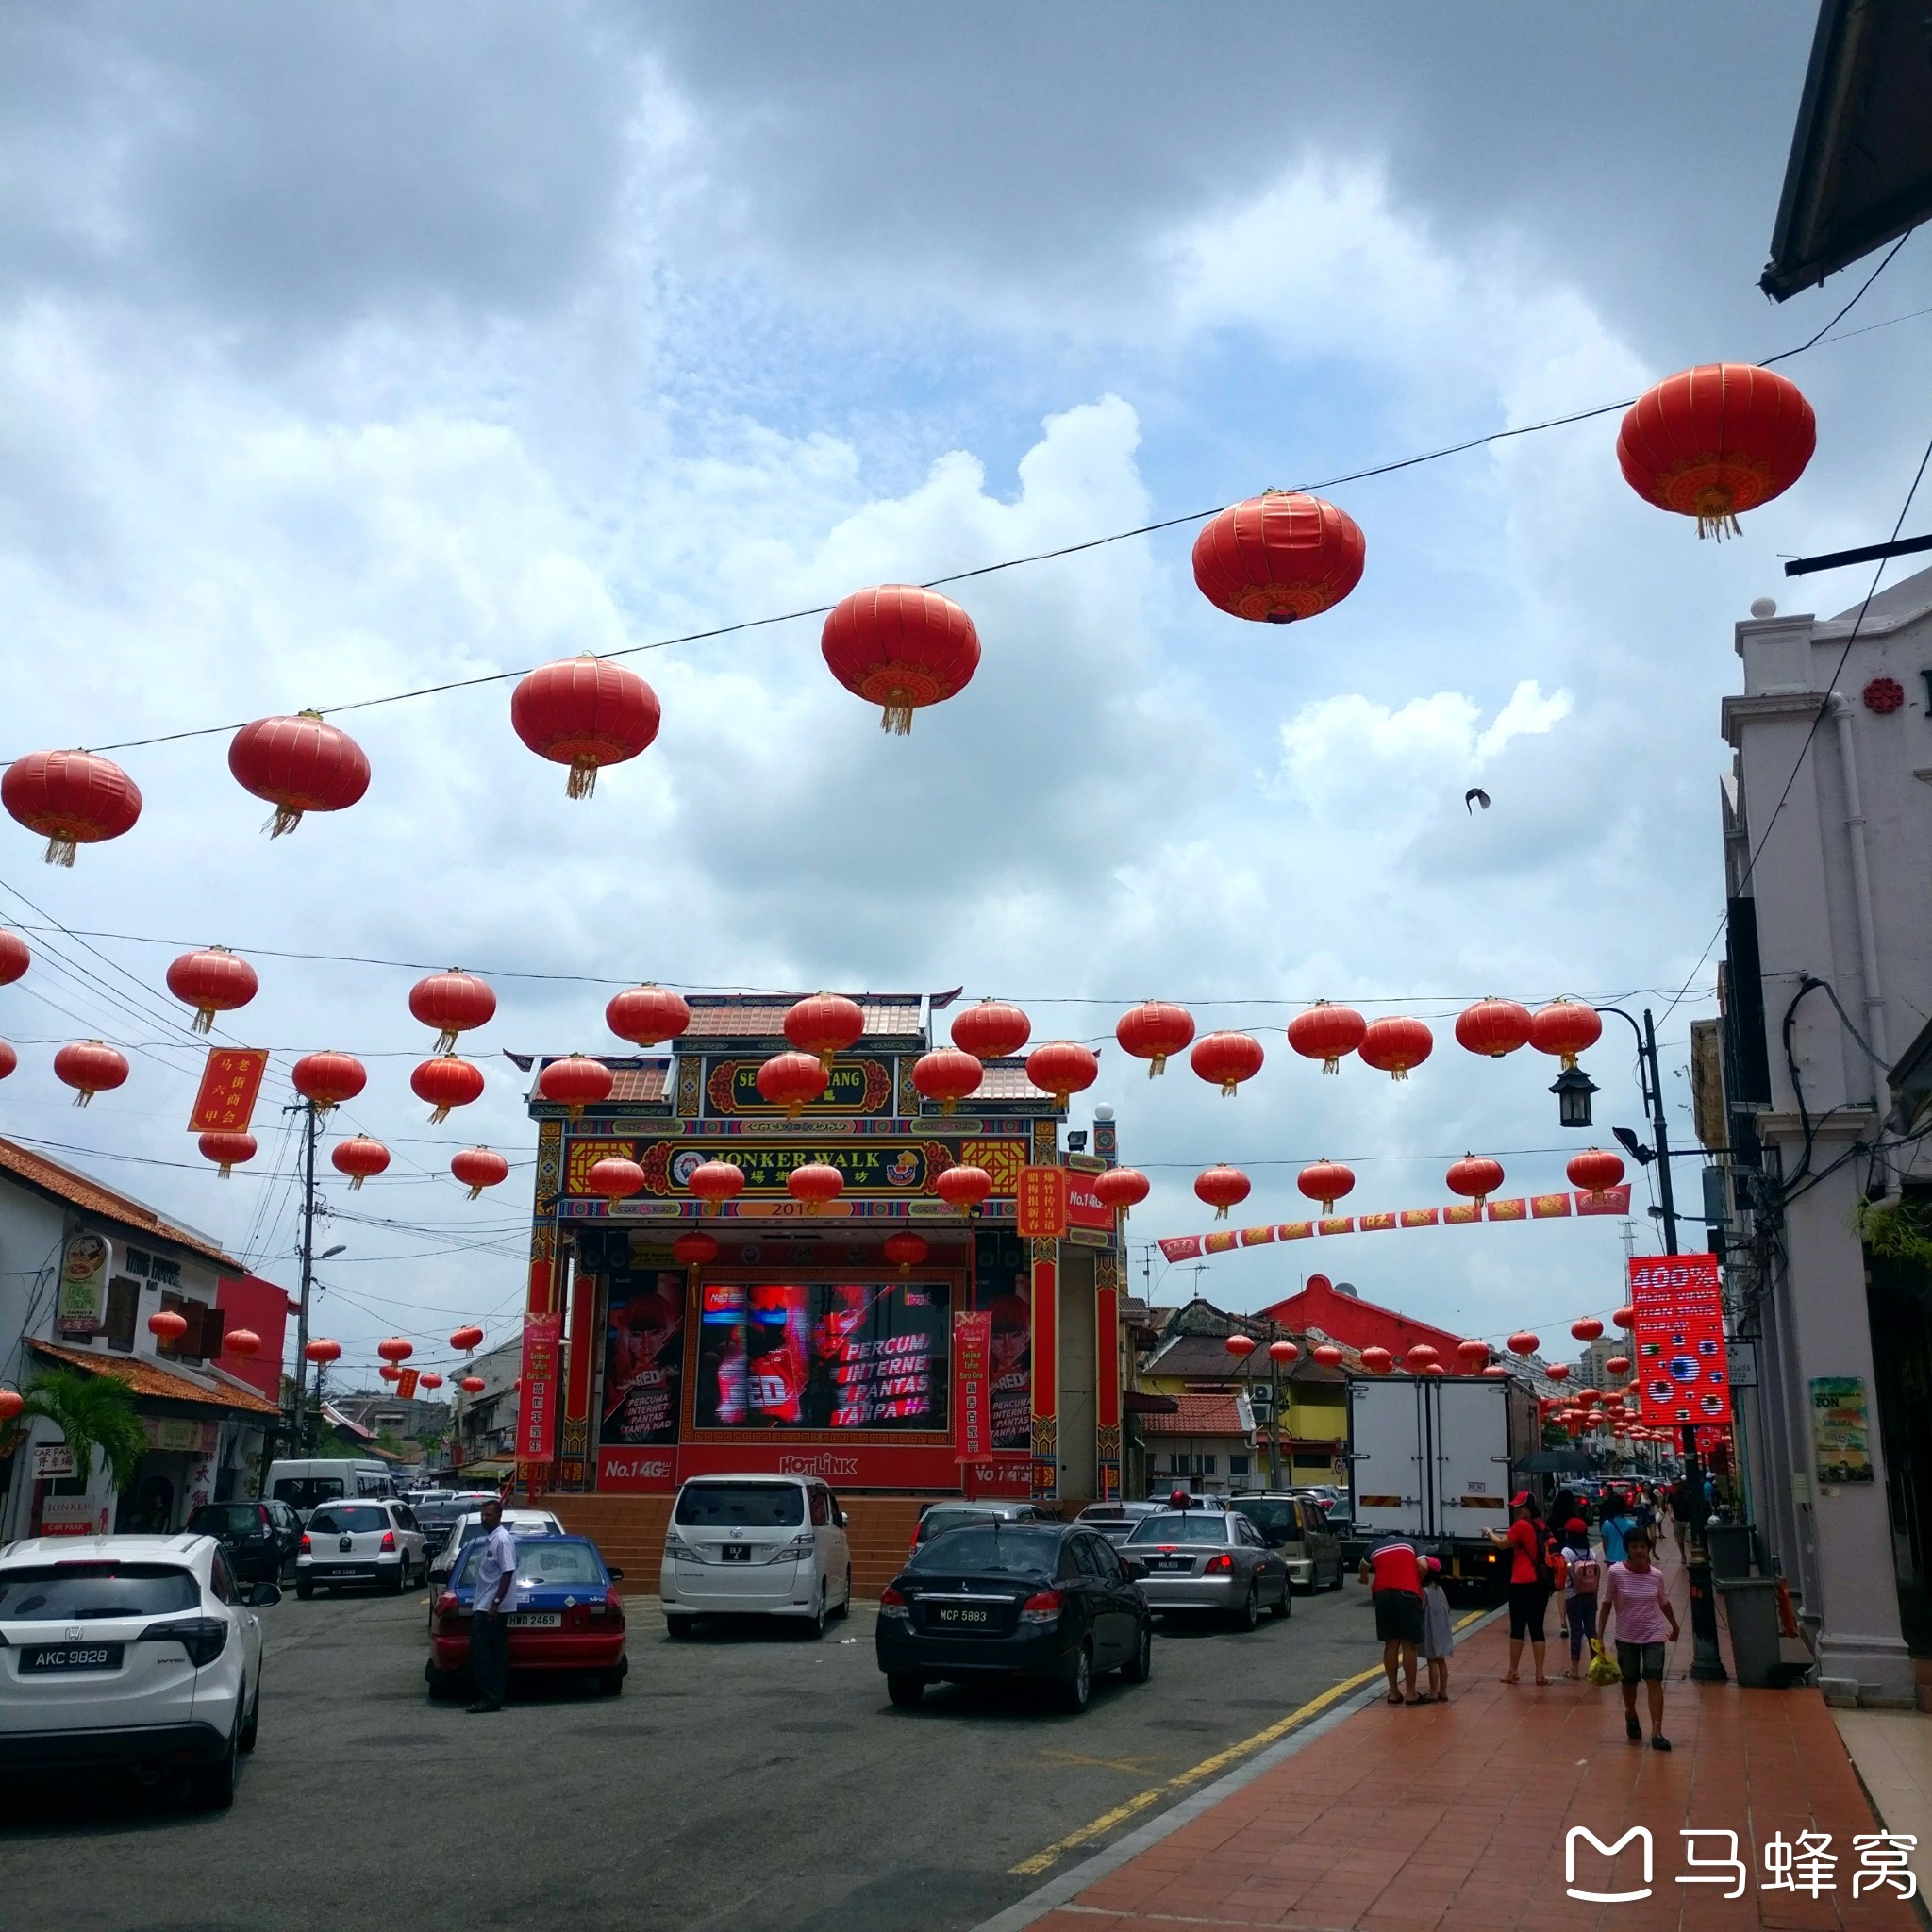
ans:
x=1529 y=1583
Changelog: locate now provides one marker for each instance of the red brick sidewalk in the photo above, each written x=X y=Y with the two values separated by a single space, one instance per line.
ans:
x=1453 y=1818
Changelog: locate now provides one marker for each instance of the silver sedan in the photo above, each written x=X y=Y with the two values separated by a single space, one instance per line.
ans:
x=1207 y=1560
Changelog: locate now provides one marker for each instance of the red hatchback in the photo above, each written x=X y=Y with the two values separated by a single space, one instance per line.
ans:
x=569 y=1615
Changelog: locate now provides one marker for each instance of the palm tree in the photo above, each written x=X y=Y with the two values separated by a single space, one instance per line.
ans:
x=93 y=1413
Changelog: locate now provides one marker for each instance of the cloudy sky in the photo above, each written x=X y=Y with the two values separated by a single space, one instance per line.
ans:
x=349 y=350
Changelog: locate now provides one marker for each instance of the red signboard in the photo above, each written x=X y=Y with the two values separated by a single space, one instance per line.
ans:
x=229 y=1084
x=1085 y=1209
x=1682 y=1374
x=536 y=1412
x=972 y=1383
x=1042 y=1204
x=406 y=1384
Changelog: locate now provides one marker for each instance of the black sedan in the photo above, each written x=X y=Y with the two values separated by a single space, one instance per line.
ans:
x=1043 y=1600
x=261 y=1539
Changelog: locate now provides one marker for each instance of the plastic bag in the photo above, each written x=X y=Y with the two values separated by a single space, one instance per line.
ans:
x=1602 y=1669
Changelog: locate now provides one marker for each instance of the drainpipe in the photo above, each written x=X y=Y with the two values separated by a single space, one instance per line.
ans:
x=1861 y=892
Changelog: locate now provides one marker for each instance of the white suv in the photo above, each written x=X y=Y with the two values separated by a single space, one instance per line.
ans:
x=129 y=1650
x=759 y=1546
x=374 y=1541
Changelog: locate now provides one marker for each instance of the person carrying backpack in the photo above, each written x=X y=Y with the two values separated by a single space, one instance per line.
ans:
x=1582 y=1577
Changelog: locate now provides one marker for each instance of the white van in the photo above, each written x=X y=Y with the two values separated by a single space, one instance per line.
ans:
x=308 y=1481
x=755 y=1545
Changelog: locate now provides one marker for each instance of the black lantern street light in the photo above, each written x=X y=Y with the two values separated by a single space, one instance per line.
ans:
x=1573 y=1089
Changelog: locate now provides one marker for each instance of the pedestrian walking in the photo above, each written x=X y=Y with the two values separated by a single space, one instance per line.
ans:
x=1617 y=1524
x=1530 y=1582
x=1633 y=1598
x=1439 y=1635
x=1582 y=1576
x=1395 y=1576
x=1683 y=1508
x=490 y=1614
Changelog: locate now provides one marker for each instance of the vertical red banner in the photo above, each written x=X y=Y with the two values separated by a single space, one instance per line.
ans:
x=536 y=1404
x=1046 y=1377
x=406 y=1384
x=1040 y=1203
x=1683 y=1372
x=230 y=1084
x=973 y=1382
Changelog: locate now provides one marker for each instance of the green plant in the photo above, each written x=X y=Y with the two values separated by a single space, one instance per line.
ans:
x=94 y=1415
x=1900 y=1232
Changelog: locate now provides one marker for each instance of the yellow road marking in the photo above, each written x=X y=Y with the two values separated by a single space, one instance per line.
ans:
x=1137 y=1764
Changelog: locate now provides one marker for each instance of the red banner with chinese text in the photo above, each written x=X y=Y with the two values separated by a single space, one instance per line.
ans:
x=973 y=1380
x=1042 y=1204
x=230 y=1084
x=536 y=1404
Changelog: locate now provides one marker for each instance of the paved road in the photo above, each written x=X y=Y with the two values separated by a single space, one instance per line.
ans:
x=743 y=1781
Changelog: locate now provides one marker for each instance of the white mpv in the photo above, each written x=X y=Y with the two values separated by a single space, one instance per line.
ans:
x=137 y=1651
x=755 y=1545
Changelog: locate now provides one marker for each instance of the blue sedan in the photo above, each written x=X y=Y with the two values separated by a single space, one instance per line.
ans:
x=569 y=1615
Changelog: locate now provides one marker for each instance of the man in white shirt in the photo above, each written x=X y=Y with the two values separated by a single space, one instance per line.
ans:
x=490 y=1611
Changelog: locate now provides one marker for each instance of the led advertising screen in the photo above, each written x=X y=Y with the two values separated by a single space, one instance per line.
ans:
x=643 y=1351
x=1682 y=1374
x=825 y=1355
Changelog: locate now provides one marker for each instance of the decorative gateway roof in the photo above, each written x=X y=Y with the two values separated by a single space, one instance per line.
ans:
x=78 y=1190
x=145 y=1378
x=1203 y=1414
x=762 y=1016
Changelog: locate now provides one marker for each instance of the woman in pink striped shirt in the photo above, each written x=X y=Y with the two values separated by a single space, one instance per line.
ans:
x=1633 y=1593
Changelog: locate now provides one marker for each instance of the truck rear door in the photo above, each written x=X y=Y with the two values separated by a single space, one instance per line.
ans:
x=1389 y=1480
x=1471 y=1451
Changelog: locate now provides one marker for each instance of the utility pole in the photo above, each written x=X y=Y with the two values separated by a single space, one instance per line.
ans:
x=1667 y=1199
x=300 y=1432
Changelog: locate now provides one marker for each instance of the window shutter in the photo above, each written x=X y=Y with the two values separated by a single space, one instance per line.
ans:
x=124 y=1304
x=214 y=1324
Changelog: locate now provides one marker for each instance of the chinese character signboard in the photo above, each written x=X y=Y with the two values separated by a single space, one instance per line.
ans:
x=229 y=1083
x=973 y=1378
x=538 y=1393
x=1840 y=1429
x=1042 y=1204
x=81 y=1308
x=1682 y=1374
x=406 y=1384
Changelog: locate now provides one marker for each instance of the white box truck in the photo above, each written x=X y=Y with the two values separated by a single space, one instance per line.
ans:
x=1432 y=1458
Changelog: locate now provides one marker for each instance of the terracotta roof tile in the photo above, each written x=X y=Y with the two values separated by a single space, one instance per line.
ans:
x=145 y=1378
x=1008 y=1082
x=755 y=1017
x=1199 y=1415
x=635 y=1083
x=50 y=1177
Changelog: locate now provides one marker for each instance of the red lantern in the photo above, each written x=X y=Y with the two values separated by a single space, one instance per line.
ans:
x=1418 y=1355
x=1225 y=1059
x=1277 y=557
x=1476 y=1176
x=298 y=764
x=1153 y=1030
x=327 y=1079
x=647 y=1015
x=694 y=1249
x=446 y=1082
x=1567 y=1027
x=211 y=982
x=1589 y=1397
x=1326 y=1032
x=1711 y=441
x=390 y=1372
x=715 y=1181
x=1282 y=1351
x=1432 y=1369
x=11 y=1403
x=466 y=1338
x=1625 y=1317
x=1617 y=1365
x=992 y=1030
x=901 y=647
x=1325 y=1181
x=1377 y=1359
x=89 y=1067
x=70 y=798
x=8 y=1059
x=1557 y=1372
x=585 y=713
x=963 y=1188
x=431 y=1382
x=1497 y=1370
x=1329 y=1357
x=1586 y=1328
x=471 y=1385
x=241 y=1341
x=1239 y=1345
x=1062 y=1067
x=814 y=1184
x=1494 y=1028
x=1222 y=1188
x=1596 y=1171
x=323 y=1351
x=1393 y=1045
x=395 y=1349
x=167 y=1328
x=358 y=1158
x=1476 y=1354
x=478 y=1168
x=827 y=1024
x=453 y=1002
x=948 y=1076
x=14 y=957
x=577 y=1082
x=1523 y=1343
x=226 y=1149
x=615 y=1179
x=1123 y=1188
x=791 y=1080
x=905 y=1251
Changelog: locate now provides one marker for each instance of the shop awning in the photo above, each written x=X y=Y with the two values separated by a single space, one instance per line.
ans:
x=150 y=1383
